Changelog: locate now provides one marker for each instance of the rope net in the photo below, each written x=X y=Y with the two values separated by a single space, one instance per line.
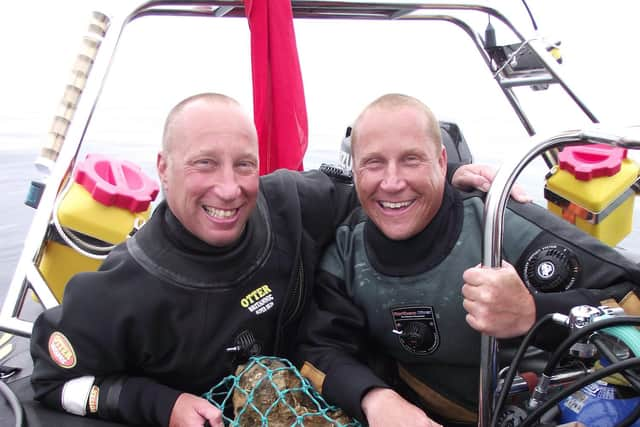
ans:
x=269 y=391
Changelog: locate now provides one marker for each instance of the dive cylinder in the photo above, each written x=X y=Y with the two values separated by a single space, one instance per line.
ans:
x=593 y=187
x=105 y=201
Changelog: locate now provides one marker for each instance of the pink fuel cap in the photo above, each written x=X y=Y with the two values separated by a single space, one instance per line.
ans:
x=118 y=183
x=591 y=161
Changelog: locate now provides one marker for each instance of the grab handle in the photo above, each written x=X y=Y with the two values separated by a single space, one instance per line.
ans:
x=493 y=228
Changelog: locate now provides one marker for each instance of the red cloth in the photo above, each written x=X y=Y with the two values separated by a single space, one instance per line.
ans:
x=280 y=112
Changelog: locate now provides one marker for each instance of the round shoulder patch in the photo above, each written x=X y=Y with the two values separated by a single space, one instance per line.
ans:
x=61 y=351
x=551 y=268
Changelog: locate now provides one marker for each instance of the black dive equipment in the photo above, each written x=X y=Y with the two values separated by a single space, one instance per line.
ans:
x=551 y=268
x=244 y=346
x=606 y=343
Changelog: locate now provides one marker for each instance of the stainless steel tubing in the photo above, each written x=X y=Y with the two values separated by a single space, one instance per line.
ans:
x=493 y=224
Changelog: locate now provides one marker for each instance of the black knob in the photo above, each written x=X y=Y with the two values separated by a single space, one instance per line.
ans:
x=551 y=268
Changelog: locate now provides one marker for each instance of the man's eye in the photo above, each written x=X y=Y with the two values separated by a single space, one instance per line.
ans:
x=412 y=160
x=246 y=166
x=204 y=163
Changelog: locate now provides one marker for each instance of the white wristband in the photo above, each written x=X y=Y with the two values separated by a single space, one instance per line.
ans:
x=75 y=394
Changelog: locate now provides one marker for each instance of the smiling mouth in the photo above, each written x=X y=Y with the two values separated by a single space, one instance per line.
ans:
x=220 y=213
x=395 y=205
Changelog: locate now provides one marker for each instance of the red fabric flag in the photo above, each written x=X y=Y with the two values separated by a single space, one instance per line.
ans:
x=280 y=112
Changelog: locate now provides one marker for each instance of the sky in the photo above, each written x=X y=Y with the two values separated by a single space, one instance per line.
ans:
x=345 y=64
x=159 y=62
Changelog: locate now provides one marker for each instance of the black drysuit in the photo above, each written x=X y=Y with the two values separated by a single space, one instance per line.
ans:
x=158 y=317
x=371 y=289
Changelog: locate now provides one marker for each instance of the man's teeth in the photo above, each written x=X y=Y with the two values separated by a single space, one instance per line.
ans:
x=395 y=205
x=220 y=213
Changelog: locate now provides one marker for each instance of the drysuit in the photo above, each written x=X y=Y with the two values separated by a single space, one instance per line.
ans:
x=402 y=300
x=167 y=313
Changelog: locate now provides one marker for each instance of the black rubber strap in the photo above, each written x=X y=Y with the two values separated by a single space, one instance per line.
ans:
x=109 y=408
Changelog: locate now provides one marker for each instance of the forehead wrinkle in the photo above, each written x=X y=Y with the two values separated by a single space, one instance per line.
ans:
x=410 y=132
x=195 y=126
x=200 y=110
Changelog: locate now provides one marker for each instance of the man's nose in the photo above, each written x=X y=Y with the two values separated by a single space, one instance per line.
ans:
x=392 y=180
x=227 y=187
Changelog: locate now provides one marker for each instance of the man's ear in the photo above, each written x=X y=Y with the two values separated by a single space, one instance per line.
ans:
x=442 y=161
x=161 y=165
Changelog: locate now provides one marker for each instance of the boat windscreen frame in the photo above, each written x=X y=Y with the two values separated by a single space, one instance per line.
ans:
x=116 y=17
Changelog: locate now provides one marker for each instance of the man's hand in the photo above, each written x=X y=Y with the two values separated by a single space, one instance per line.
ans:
x=480 y=177
x=191 y=411
x=497 y=301
x=384 y=407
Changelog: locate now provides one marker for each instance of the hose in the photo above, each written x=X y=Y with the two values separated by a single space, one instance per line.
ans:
x=74 y=242
x=16 y=407
x=629 y=335
x=511 y=373
x=585 y=331
x=569 y=390
x=604 y=349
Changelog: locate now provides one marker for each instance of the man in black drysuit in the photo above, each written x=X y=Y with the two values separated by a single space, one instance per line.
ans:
x=402 y=279
x=224 y=265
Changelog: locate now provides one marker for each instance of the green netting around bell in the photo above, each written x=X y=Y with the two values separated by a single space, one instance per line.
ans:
x=269 y=391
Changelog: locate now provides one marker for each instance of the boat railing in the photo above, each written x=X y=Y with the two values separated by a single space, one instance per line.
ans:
x=105 y=32
x=493 y=229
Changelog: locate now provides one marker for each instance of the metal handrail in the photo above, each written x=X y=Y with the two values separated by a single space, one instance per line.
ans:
x=493 y=229
x=118 y=16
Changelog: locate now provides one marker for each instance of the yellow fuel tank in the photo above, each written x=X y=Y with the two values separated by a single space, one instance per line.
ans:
x=592 y=188
x=106 y=201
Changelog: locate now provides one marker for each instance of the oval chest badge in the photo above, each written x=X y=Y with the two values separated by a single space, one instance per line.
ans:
x=61 y=351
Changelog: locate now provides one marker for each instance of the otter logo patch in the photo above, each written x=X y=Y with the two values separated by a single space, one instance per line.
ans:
x=94 y=398
x=61 y=351
x=259 y=300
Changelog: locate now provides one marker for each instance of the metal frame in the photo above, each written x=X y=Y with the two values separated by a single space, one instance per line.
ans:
x=493 y=228
x=27 y=275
